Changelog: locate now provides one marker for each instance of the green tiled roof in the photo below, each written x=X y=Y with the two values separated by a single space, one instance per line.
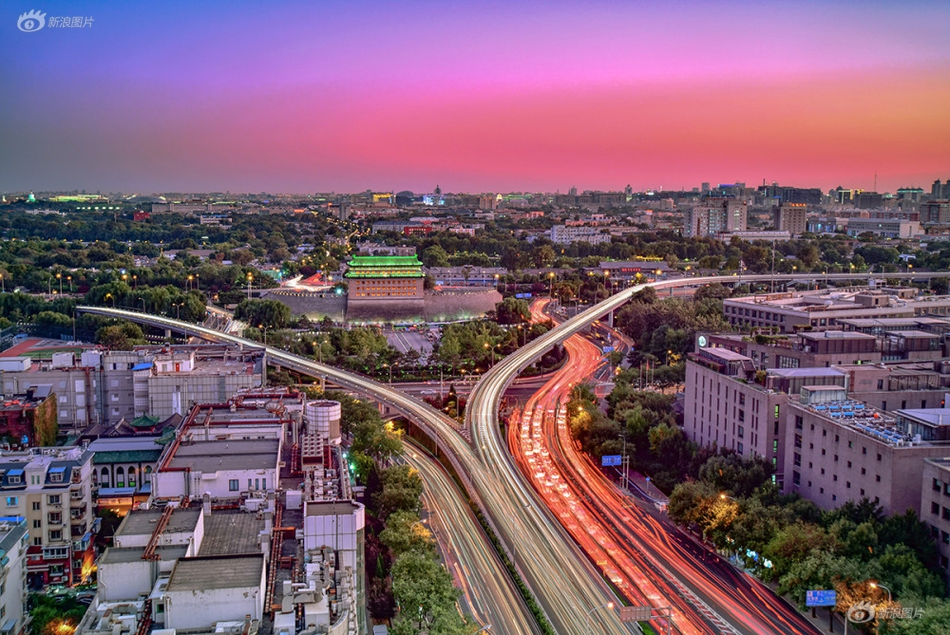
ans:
x=385 y=261
x=127 y=456
x=144 y=421
x=384 y=267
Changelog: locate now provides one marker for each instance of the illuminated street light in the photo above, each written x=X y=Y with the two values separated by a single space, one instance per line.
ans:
x=608 y=606
x=109 y=295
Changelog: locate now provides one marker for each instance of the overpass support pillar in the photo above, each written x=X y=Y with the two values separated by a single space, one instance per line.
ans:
x=168 y=334
x=610 y=319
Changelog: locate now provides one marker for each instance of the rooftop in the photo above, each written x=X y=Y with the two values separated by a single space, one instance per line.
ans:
x=142 y=522
x=117 y=555
x=216 y=572
x=231 y=533
x=213 y=456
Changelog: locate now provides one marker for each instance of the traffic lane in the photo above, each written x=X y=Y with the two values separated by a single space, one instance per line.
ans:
x=488 y=591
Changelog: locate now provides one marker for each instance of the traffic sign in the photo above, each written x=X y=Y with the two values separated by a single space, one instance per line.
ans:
x=611 y=460
x=821 y=598
x=635 y=613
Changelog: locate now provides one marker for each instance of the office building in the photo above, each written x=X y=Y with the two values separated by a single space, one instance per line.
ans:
x=822 y=310
x=840 y=449
x=935 y=506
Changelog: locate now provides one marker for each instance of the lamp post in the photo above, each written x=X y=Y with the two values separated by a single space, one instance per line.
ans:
x=264 y=328
x=608 y=605
x=3 y=285
x=69 y=279
x=59 y=277
x=109 y=295
x=878 y=585
x=135 y=281
x=551 y=285
x=188 y=285
x=623 y=461
x=250 y=279
x=144 y=306
x=177 y=306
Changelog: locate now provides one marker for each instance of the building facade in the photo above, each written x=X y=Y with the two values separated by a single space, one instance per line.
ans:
x=52 y=489
x=381 y=278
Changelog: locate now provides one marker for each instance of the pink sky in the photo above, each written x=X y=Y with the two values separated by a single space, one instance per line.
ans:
x=478 y=97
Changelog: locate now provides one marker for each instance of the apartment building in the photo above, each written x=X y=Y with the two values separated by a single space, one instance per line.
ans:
x=715 y=216
x=14 y=542
x=52 y=489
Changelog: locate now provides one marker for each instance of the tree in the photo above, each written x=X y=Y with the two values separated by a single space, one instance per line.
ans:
x=269 y=313
x=425 y=594
x=404 y=532
x=512 y=311
x=435 y=256
x=401 y=489
x=120 y=337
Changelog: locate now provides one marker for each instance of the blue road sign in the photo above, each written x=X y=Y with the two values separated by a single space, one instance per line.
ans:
x=608 y=349
x=821 y=598
x=611 y=460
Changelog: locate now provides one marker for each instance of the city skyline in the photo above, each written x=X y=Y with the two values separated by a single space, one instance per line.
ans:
x=530 y=97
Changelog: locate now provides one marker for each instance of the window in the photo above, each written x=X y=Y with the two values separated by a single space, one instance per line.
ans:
x=54 y=499
x=233 y=485
x=37 y=541
x=849 y=464
x=56 y=534
x=37 y=506
x=37 y=523
x=834 y=477
x=877 y=478
x=863 y=471
x=56 y=519
x=15 y=479
x=946 y=514
x=12 y=501
x=799 y=422
x=946 y=537
x=879 y=456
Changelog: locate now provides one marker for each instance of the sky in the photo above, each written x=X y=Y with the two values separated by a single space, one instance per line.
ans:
x=322 y=96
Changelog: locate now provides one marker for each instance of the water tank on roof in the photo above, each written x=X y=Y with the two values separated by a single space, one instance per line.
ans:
x=91 y=358
x=323 y=418
x=62 y=360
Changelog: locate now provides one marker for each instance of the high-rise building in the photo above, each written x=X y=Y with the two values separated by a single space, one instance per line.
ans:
x=790 y=217
x=715 y=216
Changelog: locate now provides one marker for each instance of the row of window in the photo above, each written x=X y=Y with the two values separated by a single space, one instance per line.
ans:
x=234 y=484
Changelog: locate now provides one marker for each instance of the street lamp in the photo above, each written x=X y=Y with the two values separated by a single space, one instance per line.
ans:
x=261 y=326
x=878 y=585
x=109 y=295
x=623 y=461
x=59 y=277
x=177 y=306
x=144 y=306
x=250 y=278
x=608 y=606
x=551 y=285
x=69 y=279
x=135 y=281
